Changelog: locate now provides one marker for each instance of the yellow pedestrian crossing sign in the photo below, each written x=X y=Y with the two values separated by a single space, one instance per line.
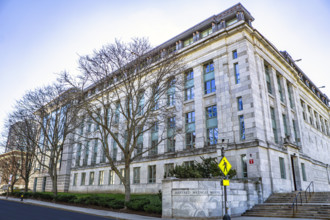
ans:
x=224 y=166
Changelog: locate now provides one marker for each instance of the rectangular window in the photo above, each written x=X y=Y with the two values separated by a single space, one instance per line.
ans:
x=85 y=161
x=83 y=179
x=187 y=42
x=290 y=94
x=209 y=82
x=117 y=113
x=212 y=125
x=111 y=179
x=95 y=151
x=268 y=81
x=78 y=154
x=91 y=178
x=171 y=93
x=189 y=93
x=303 y=109
x=167 y=168
x=152 y=174
x=136 y=175
x=286 y=131
x=241 y=127
x=206 y=32
x=43 y=183
x=141 y=103
x=101 y=177
x=154 y=139
x=114 y=149
x=188 y=163
x=237 y=77
x=190 y=130
x=295 y=131
x=75 y=177
x=122 y=172
x=234 y=54
x=239 y=103
x=282 y=168
x=303 y=171
x=274 y=127
x=316 y=121
x=89 y=124
x=171 y=134
x=280 y=91
x=244 y=165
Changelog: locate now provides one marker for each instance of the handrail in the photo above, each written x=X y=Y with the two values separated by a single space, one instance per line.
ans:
x=295 y=201
x=309 y=188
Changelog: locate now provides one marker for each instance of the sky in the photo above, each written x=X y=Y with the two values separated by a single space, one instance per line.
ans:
x=41 y=38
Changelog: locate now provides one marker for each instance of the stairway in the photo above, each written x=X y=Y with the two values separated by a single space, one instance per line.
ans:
x=280 y=205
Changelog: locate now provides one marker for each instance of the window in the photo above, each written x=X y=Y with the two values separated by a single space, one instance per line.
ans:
x=189 y=85
x=290 y=94
x=114 y=148
x=75 y=177
x=282 y=168
x=295 y=131
x=78 y=154
x=303 y=171
x=82 y=125
x=303 y=109
x=190 y=130
x=152 y=174
x=141 y=103
x=268 y=81
x=122 y=172
x=234 y=54
x=206 y=32
x=89 y=124
x=111 y=179
x=310 y=115
x=117 y=113
x=244 y=165
x=101 y=177
x=167 y=168
x=171 y=93
x=83 y=179
x=286 y=131
x=95 y=152
x=154 y=139
x=237 y=77
x=272 y=114
x=91 y=178
x=136 y=175
x=280 y=91
x=171 y=134
x=188 y=42
x=209 y=82
x=316 y=121
x=212 y=125
x=86 y=154
x=239 y=103
x=241 y=127
x=189 y=163
x=43 y=183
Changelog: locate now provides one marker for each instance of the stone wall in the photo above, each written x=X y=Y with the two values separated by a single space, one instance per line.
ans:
x=203 y=198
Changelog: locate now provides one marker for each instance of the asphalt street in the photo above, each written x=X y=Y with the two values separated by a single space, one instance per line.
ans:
x=19 y=211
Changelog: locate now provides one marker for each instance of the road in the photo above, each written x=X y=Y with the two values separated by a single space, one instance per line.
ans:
x=19 y=211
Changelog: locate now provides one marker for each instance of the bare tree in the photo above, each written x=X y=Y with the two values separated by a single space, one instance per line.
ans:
x=9 y=163
x=46 y=119
x=127 y=89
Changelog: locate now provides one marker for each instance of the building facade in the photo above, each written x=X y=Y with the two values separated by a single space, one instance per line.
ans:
x=240 y=93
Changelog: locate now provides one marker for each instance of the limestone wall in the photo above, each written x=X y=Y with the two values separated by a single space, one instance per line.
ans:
x=203 y=198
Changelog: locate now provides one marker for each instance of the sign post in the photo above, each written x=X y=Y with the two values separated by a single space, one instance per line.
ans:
x=225 y=166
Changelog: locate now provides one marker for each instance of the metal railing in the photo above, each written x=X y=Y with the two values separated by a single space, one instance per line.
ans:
x=308 y=190
x=295 y=201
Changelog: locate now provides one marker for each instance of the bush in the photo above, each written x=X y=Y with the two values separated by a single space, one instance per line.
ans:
x=155 y=207
x=117 y=204
x=65 y=198
x=138 y=204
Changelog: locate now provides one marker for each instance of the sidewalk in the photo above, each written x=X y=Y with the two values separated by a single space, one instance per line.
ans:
x=118 y=215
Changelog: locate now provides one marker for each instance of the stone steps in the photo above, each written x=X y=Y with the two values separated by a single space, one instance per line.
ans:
x=280 y=205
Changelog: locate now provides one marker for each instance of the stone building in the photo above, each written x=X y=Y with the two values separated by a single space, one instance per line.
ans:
x=243 y=94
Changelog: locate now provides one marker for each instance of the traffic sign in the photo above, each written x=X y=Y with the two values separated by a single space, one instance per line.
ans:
x=224 y=166
x=225 y=182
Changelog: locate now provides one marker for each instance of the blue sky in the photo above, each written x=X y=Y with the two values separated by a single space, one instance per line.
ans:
x=39 y=38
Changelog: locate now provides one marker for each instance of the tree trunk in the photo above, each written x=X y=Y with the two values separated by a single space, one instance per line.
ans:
x=127 y=183
x=26 y=188
x=54 y=185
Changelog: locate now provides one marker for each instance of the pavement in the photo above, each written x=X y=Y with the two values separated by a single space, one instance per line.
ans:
x=116 y=215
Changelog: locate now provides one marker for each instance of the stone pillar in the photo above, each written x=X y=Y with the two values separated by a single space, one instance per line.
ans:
x=167 y=199
x=239 y=15
x=214 y=27
x=222 y=24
